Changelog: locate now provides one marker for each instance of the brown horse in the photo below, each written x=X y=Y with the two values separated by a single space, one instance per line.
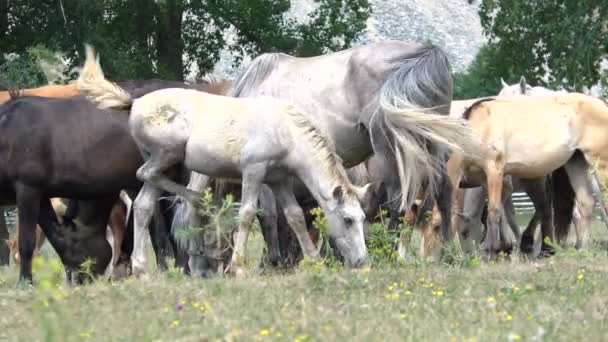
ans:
x=53 y=90
x=117 y=224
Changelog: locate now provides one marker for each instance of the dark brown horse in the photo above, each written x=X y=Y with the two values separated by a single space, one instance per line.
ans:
x=64 y=148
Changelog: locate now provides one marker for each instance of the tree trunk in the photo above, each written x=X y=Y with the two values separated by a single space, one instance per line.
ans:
x=170 y=46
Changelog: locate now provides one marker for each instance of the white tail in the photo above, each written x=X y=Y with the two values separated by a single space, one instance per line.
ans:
x=92 y=82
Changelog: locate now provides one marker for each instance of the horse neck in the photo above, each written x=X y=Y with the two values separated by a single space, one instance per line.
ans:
x=314 y=172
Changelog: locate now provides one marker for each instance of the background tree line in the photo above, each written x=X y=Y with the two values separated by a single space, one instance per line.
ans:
x=149 y=38
x=556 y=43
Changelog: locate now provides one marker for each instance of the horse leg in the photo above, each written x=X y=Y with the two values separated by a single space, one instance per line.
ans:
x=471 y=231
x=40 y=238
x=577 y=170
x=509 y=213
x=252 y=184
x=268 y=221
x=494 y=174
x=405 y=236
x=563 y=205
x=538 y=193
x=5 y=251
x=180 y=256
x=430 y=243
x=158 y=239
x=28 y=209
x=599 y=196
x=526 y=244
x=394 y=212
x=143 y=210
x=443 y=202
x=118 y=225
x=295 y=218
x=506 y=236
x=152 y=172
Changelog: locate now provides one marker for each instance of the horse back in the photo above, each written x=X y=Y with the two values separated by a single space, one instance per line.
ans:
x=58 y=144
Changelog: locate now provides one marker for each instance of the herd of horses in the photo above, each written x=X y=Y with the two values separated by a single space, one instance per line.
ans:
x=370 y=127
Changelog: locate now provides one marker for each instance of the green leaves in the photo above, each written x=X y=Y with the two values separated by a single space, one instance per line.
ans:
x=150 y=38
x=553 y=42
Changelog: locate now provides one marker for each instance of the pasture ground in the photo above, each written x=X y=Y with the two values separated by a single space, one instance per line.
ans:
x=563 y=298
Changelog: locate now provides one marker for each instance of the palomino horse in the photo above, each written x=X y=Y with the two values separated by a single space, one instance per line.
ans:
x=261 y=140
x=562 y=218
x=53 y=90
x=560 y=130
x=389 y=98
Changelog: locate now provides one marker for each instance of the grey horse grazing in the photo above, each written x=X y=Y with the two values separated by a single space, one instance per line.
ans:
x=390 y=98
x=259 y=140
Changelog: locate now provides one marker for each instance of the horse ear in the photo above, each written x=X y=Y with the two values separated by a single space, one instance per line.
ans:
x=338 y=194
x=522 y=84
x=363 y=192
x=504 y=84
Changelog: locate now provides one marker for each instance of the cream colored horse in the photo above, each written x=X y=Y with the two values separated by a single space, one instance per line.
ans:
x=260 y=140
x=523 y=88
x=531 y=137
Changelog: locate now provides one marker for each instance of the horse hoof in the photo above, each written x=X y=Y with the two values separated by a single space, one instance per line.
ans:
x=236 y=268
x=237 y=271
x=138 y=271
x=546 y=250
x=526 y=245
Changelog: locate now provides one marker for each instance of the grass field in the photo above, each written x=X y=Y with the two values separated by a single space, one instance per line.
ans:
x=563 y=298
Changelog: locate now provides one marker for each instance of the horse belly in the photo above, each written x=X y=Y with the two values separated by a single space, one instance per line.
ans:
x=216 y=156
x=535 y=161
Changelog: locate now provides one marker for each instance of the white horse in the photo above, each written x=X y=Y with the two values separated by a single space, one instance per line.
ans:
x=260 y=140
x=389 y=98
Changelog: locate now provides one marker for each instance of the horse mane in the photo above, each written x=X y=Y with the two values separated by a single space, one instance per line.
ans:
x=467 y=113
x=255 y=74
x=323 y=148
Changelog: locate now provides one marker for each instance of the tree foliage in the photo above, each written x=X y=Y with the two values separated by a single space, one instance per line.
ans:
x=164 y=38
x=558 y=43
x=481 y=77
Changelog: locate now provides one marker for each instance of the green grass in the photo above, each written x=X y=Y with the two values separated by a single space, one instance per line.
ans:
x=563 y=298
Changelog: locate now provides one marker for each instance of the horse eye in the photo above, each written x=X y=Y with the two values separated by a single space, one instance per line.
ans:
x=348 y=221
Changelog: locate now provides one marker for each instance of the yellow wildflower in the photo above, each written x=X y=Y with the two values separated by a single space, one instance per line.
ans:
x=513 y=337
x=174 y=323
x=264 y=332
x=85 y=334
x=580 y=276
x=491 y=300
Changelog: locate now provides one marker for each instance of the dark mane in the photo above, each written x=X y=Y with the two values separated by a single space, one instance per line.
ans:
x=467 y=113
